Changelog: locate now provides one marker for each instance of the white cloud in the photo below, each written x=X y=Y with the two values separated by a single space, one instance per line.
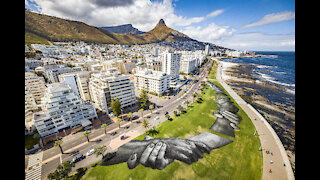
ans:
x=259 y=42
x=272 y=18
x=215 y=13
x=142 y=14
x=211 y=33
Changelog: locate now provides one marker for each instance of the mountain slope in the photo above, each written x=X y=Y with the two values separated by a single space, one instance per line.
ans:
x=43 y=27
x=126 y=28
x=57 y=29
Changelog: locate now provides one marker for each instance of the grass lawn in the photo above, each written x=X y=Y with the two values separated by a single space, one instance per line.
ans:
x=237 y=160
x=29 y=141
x=212 y=74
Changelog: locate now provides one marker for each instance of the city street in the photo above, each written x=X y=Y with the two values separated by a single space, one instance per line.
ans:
x=52 y=157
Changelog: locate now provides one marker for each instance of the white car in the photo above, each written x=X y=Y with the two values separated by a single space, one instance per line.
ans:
x=156 y=118
x=90 y=152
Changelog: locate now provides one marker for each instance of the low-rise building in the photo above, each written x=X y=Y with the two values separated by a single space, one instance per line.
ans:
x=153 y=81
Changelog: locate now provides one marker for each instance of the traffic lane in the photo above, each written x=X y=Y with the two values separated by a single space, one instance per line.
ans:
x=49 y=167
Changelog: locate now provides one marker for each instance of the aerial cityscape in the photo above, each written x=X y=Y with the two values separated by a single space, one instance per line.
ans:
x=166 y=89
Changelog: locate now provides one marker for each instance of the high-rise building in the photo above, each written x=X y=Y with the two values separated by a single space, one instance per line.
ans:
x=35 y=85
x=187 y=65
x=106 y=85
x=171 y=65
x=206 y=50
x=61 y=109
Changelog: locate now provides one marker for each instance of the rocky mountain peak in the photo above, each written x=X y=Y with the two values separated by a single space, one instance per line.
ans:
x=161 y=23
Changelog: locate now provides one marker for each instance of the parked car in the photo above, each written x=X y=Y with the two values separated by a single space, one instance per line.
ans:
x=98 y=140
x=90 y=152
x=114 y=133
x=135 y=117
x=156 y=118
x=77 y=158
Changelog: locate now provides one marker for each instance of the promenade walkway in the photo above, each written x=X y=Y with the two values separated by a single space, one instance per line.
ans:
x=278 y=161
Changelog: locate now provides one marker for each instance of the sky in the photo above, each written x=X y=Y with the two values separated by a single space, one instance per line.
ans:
x=253 y=25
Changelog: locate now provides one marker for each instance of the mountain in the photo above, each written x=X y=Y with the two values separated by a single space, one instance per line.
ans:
x=43 y=28
x=126 y=28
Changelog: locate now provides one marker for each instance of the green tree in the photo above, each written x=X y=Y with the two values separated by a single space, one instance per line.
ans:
x=144 y=98
x=151 y=107
x=58 y=143
x=103 y=126
x=62 y=171
x=141 y=110
x=116 y=106
x=187 y=102
x=145 y=124
x=180 y=108
x=86 y=134
x=100 y=150
x=168 y=116
x=130 y=115
x=175 y=113
x=119 y=121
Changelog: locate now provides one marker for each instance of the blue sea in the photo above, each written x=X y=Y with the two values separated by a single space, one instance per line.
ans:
x=277 y=69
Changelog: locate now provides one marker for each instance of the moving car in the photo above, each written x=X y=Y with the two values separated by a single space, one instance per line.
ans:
x=77 y=158
x=90 y=152
x=156 y=118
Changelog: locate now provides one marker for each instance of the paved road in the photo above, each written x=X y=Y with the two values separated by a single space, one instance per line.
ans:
x=52 y=157
x=268 y=138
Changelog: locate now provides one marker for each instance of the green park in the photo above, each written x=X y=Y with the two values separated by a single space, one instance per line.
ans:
x=240 y=159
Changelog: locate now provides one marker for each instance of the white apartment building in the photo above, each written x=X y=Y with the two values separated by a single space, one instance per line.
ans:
x=35 y=85
x=154 y=81
x=79 y=83
x=171 y=65
x=62 y=108
x=105 y=85
x=187 y=65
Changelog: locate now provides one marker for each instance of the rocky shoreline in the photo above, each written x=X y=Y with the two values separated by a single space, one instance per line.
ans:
x=272 y=101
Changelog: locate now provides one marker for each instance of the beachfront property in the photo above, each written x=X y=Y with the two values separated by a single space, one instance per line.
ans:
x=171 y=65
x=62 y=109
x=152 y=81
x=105 y=85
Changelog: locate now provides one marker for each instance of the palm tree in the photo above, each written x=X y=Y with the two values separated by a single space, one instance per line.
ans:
x=86 y=134
x=151 y=107
x=141 y=110
x=103 y=126
x=130 y=115
x=100 y=150
x=187 y=102
x=145 y=124
x=119 y=121
x=194 y=96
x=58 y=143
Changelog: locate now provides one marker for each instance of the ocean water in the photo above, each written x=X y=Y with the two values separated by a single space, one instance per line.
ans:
x=277 y=69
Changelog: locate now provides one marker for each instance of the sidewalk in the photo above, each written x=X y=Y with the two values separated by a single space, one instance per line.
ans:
x=269 y=139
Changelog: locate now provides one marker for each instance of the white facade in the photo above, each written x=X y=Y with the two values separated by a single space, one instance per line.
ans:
x=171 y=64
x=188 y=65
x=35 y=85
x=62 y=108
x=71 y=80
x=153 y=81
x=104 y=86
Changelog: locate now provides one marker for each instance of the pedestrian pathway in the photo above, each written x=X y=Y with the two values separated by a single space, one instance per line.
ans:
x=276 y=164
x=34 y=167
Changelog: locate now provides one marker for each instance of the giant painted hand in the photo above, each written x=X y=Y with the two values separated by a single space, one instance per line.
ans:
x=158 y=153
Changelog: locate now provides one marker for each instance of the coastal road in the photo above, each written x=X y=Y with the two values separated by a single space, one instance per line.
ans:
x=52 y=157
x=278 y=161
